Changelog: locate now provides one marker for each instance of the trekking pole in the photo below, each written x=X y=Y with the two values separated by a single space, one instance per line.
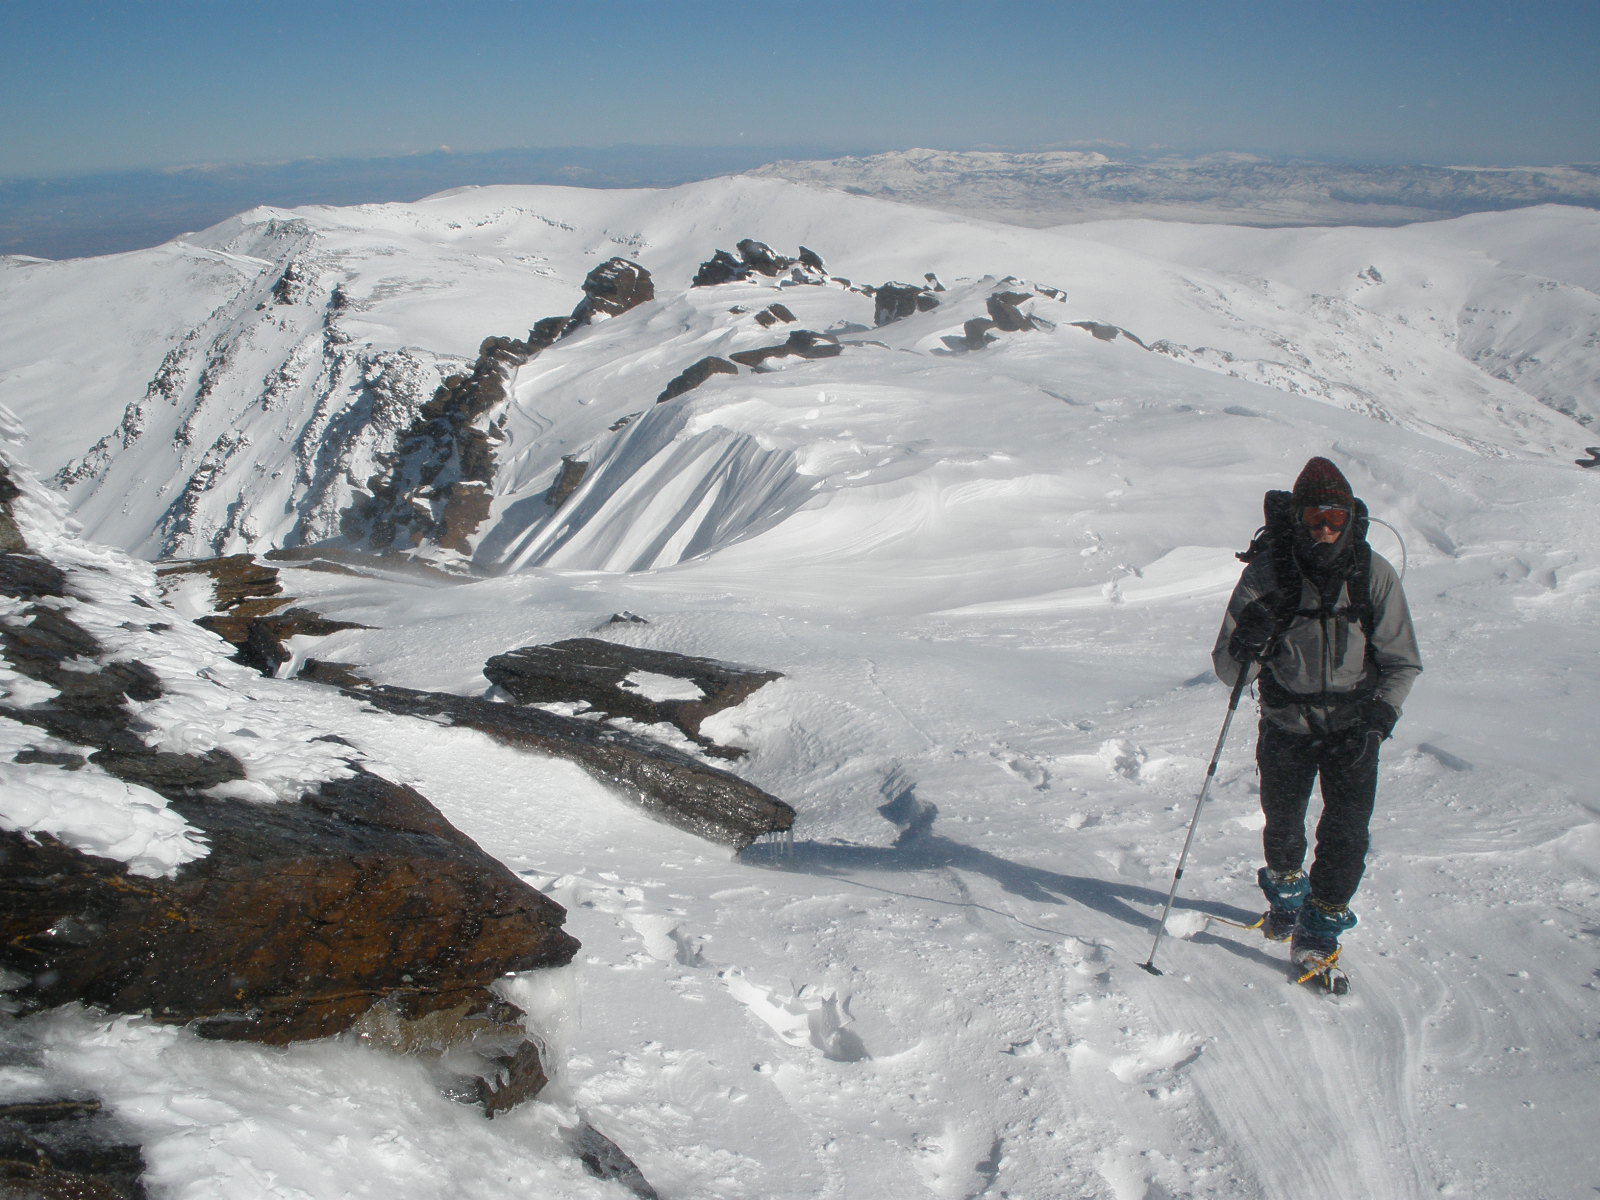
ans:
x=1205 y=790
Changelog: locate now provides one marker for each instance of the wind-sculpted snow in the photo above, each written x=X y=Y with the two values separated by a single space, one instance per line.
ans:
x=655 y=497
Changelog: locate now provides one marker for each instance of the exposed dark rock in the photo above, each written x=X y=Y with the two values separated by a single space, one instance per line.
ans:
x=336 y=674
x=761 y=259
x=300 y=919
x=11 y=539
x=612 y=288
x=934 y=283
x=721 y=267
x=52 y=758
x=695 y=375
x=604 y=1159
x=302 y=914
x=758 y=258
x=802 y=343
x=976 y=333
x=434 y=487
x=1107 y=333
x=597 y=673
x=624 y=618
x=670 y=785
x=67 y=1149
x=266 y=643
x=896 y=301
x=292 y=285
x=484 y=1047
x=511 y=1077
x=1003 y=310
x=250 y=611
x=1594 y=457
x=165 y=772
x=567 y=481
x=774 y=313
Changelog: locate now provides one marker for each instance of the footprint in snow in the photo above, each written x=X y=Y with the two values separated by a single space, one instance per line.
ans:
x=957 y=1162
x=810 y=1016
x=665 y=941
x=1167 y=1053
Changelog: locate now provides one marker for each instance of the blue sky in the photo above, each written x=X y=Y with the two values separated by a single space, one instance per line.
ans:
x=111 y=85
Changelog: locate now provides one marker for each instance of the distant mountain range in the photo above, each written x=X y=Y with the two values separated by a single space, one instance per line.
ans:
x=1061 y=187
x=111 y=212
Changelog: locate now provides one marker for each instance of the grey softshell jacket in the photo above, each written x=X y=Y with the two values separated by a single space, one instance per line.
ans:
x=1314 y=656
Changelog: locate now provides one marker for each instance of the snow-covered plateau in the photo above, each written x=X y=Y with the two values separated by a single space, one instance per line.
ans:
x=987 y=544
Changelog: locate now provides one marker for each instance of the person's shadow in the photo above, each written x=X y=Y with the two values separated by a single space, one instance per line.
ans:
x=918 y=848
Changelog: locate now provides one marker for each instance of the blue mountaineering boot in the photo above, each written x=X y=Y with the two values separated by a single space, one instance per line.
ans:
x=1286 y=891
x=1316 y=937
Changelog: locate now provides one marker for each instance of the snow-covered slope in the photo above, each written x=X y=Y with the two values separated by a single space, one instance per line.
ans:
x=991 y=580
x=238 y=388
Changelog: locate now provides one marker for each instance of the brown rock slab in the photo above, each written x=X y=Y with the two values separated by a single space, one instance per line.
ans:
x=302 y=917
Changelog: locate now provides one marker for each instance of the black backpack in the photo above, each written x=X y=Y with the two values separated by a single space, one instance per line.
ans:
x=1275 y=540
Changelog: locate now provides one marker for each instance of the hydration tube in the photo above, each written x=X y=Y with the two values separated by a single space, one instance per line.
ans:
x=1397 y=537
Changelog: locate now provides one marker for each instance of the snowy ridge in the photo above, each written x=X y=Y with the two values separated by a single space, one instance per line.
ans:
x=258 y=420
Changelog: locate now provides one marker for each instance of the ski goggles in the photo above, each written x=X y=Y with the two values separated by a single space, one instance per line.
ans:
x=1325 y=516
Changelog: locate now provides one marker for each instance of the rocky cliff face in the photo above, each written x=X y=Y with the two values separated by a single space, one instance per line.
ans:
x=434 y=488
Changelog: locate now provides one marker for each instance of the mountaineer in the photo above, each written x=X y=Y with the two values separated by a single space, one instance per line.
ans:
x=1324 y=621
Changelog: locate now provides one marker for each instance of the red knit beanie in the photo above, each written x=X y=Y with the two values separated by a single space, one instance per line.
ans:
x=1321 y=482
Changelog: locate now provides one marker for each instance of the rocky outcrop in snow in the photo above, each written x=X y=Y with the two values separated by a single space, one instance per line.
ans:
x=183 y=840
x=896 y=301
x=694 y=375
x=246 y=607
x=669 y=784
x=802 y=343
x=434 y=487
x=652 y=686
x=759 y=259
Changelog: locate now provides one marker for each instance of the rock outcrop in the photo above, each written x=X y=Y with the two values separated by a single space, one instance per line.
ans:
x=652 y=686
x=271 y=889
x=434 y=487
x=249 y=609
x=67 y=1148
x=896 y=301
x=773 y=314
x=694 y=375
x=802 y=343
x=611 y=289
x=1004 y=311
x=758 y=258
x=1107 y=333
x=672 y=786
x=300 y=919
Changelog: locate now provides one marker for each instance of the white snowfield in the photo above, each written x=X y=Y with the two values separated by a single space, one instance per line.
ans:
x=991 y=581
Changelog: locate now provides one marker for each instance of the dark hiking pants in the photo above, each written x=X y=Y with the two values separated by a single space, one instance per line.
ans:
x=1290 y=763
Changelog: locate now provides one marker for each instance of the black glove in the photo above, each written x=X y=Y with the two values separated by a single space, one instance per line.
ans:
x=1376 y=724
x=1252 y=631
x=1378 y=716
